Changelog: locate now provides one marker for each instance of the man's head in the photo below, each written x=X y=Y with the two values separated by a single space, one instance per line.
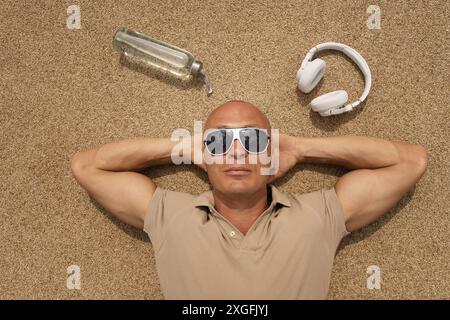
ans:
x=246 y=179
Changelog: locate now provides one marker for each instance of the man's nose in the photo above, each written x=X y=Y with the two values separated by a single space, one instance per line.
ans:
x=238 y=152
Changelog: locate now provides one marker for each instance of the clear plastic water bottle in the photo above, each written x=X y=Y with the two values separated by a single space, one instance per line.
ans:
x=156 y=53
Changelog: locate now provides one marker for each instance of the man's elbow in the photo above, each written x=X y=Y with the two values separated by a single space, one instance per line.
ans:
x=419 y=159
x=77 y=164
x=80 y=162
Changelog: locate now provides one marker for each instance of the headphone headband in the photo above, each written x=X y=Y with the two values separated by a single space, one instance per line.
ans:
x=354 y=56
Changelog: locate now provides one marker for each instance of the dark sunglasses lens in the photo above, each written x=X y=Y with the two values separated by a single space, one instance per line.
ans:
x=254 y=140
x=219 y=141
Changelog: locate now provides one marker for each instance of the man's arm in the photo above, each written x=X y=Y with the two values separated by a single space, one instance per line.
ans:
x=383 y=172
x=108 y=175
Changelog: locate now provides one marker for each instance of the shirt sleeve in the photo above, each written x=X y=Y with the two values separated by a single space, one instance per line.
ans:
x=164 y=206
x=334 y=218
x=325 y=205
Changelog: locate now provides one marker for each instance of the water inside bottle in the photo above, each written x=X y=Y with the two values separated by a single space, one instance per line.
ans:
x=154 y=52
x=161 y=55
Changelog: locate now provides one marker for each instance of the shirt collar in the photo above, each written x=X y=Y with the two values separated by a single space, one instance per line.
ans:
x=206 y=199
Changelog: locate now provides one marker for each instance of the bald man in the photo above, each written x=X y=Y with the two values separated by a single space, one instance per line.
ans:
x=245 y=238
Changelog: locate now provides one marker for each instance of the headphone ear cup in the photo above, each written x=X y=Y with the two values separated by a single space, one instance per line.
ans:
x=310 y=76
x=329 y=101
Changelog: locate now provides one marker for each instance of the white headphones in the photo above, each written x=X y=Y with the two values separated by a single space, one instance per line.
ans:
x=310 y=73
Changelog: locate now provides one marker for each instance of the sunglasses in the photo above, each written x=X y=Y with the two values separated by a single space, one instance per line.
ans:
x=253 y=140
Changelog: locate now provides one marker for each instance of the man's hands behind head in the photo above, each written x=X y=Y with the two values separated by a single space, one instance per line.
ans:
x=289 y=154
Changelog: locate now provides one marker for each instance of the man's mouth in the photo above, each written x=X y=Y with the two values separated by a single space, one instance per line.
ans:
x=237 y=171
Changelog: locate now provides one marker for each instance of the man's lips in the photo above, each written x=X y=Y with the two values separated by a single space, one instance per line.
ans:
x=237 y=171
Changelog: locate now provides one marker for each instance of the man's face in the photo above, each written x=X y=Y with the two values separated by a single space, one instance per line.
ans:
x=234 y=173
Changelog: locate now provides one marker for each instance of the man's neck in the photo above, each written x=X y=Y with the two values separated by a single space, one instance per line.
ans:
x=241 y=211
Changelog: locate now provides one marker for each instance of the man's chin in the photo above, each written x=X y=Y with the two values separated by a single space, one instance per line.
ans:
x=238 y=187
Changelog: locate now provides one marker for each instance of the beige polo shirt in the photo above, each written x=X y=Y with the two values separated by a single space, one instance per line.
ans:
x=288 y=253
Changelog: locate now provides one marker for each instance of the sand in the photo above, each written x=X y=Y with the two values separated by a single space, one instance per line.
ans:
x=66 y=90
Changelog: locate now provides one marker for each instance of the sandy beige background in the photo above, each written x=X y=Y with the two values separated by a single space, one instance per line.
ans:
x=65 y=90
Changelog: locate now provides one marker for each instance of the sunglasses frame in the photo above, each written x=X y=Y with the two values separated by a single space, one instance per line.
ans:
x=236 y=135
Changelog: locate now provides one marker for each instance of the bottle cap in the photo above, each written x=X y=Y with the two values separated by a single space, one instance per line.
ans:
x=196 y=69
